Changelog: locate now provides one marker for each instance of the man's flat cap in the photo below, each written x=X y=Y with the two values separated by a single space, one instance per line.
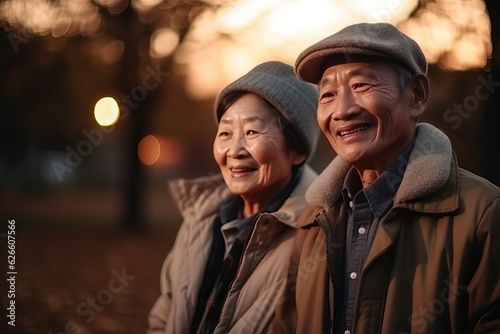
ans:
x=363 y=39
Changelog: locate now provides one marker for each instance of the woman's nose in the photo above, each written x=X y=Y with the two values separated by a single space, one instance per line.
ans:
x=236 y=148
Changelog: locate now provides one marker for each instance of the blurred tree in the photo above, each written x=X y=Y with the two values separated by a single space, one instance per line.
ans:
x=140 y=76
x=491 y=135
x=60 y=56
x=57 y=57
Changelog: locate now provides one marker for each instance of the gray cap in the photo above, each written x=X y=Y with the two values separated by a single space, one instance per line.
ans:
x=369 y=39
x=277 y=83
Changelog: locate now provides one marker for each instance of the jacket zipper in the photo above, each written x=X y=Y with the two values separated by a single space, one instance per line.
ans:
x=249 y=237
x=320 y=217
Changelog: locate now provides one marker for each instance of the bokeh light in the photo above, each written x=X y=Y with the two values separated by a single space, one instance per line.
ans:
x=106 y=111
x=161 y=152
x=149 y=150
x=227 y=43
x=163 y=42
x=224 y=44
x=228 y=38
x=64 y=17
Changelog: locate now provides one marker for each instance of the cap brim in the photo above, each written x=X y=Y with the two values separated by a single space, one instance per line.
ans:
x=310 y=67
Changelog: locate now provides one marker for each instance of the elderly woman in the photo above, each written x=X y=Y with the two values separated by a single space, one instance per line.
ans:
x=229 y=261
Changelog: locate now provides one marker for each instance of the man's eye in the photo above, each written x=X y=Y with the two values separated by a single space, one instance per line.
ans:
x=251 y=132
x=359 y=85
x=223 y=134
x=326 y=95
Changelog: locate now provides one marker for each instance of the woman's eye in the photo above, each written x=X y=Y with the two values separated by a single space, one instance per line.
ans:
x=223 y=134
x=251 y=132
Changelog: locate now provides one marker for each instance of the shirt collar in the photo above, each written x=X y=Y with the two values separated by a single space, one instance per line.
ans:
x=233 y=207
x=381 y=192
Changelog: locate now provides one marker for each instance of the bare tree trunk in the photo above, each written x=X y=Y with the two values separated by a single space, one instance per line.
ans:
x=491 y=120
x=135 y=124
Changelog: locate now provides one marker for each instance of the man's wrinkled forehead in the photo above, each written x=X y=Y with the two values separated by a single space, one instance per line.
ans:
x=368 y=70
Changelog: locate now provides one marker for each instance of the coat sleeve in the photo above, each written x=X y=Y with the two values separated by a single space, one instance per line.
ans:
x=304 y=307
x=285 y=319
x=484 y=287
x=158 y=316
x=160 y=313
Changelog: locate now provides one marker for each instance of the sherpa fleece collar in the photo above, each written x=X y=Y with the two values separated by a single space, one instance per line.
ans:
x=431 y=156
x=202 y=197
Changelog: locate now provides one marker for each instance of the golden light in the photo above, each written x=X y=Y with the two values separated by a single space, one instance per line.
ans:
x=106 y=111
x=227 y=42
x=145 y=5
x=64 y=17
x=172 y=152
x=114 y=6
x=384 y=10
x=466 y=53
x=112 y=51
x=161 y=152
x=149 y=150
x=163 y=42
x=61 y=27
x=231 y=37
x=454 y=34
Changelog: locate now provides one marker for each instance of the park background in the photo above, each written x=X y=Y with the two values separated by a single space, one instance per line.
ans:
x=92 y=213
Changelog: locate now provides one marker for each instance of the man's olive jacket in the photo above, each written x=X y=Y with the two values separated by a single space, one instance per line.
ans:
x=434 y=266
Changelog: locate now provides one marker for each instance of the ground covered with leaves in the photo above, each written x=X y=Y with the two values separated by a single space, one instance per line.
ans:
x=86 y=281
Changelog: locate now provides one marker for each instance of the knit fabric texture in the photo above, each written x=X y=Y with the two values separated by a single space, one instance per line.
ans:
x=364 y=39
x=277 y=83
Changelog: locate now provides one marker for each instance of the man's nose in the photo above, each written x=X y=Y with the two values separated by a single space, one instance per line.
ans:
x=346 y=105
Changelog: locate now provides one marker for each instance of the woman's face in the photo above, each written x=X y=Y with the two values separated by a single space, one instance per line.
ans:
x=251 y=151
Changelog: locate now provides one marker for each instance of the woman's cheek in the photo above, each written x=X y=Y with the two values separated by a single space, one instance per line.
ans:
x=265 y=152
x=219 y=149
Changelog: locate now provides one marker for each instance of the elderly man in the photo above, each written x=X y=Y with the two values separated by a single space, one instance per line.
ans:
x=398 y=238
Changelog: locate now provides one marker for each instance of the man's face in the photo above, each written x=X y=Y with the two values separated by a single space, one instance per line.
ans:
x=366 y=118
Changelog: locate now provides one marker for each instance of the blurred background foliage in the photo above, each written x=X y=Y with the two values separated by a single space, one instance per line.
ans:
x=77 y=187
x=164 y=61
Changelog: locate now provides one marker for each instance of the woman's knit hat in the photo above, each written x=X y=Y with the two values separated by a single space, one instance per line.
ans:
x=365 y=39
x=277 y=83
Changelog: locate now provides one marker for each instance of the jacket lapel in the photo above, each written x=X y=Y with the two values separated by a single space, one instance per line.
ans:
x=432 y=156
x=386 y=235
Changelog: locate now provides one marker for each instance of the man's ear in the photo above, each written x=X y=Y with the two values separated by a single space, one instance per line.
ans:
x=420 y=93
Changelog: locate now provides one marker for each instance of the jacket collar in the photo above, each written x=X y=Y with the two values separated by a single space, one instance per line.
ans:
x=202 y=197
x=432 y=156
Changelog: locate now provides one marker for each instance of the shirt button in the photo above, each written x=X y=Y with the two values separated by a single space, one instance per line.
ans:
x=353 y=275
x=350 y=204
x=361 y=230
x=347 y=331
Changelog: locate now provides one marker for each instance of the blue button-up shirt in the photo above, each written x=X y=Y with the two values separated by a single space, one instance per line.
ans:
x=366 y=207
